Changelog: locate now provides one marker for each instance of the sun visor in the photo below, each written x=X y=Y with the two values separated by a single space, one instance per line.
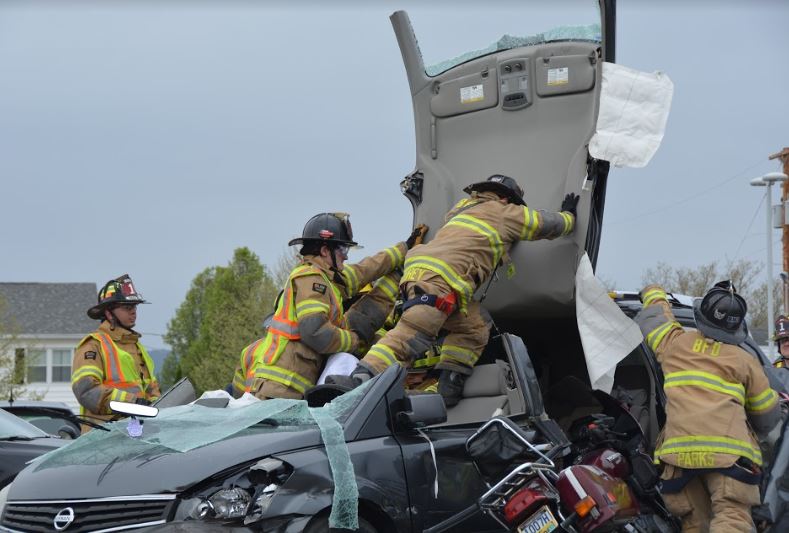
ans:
x=607 y=334
x=633 y=112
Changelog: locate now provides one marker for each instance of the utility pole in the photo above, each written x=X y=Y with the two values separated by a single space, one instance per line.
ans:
x=783 y=155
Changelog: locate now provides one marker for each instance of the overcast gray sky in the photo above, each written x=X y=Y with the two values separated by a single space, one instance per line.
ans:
x=155 y=137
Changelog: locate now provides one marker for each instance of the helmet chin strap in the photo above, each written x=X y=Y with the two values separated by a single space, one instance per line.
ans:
x=115 y=322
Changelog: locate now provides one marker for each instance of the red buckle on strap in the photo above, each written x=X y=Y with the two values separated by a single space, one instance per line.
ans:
x=447 y=304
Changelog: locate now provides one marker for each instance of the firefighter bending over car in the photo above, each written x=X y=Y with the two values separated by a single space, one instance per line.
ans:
x=374 y=301
x=441 y=277
x=716 y=392
x=309 y=323
x=110 y=364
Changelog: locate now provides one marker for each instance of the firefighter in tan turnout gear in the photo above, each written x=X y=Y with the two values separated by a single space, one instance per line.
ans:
x=309 y=323
x=781 y=339
x=110 y=364
x=441 y=276
x=717 y=394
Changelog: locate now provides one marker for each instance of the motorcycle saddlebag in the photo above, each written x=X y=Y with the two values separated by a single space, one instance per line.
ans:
x=499 y=445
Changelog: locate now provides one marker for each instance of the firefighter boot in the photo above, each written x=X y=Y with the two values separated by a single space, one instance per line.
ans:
x=450 y=386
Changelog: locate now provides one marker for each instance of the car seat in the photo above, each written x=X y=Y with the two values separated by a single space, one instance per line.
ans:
x=486 y=393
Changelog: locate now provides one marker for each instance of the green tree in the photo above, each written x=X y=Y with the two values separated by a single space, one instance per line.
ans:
x=12 y=362
x=222 y=313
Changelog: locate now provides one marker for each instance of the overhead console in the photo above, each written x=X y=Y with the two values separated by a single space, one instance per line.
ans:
x=511 y=83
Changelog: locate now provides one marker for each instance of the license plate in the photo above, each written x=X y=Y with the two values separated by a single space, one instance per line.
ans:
x=540 y=522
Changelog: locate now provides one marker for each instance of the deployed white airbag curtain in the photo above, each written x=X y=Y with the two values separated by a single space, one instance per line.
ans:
x=607 y=334
x=634 y=109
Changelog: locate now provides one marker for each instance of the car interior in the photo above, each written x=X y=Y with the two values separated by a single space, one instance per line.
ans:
x=561 y=392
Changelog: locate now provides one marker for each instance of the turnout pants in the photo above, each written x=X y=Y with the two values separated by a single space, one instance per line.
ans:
x=712 y=502
x=416 y=331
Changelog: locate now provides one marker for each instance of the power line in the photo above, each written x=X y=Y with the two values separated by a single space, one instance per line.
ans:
x=748 y=230
x=689 y=198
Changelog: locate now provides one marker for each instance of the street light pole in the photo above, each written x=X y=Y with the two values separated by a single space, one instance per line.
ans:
x=767 y=181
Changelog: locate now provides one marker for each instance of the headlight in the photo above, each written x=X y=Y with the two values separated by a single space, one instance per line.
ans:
x=229 y=503
x=224 y=504
x=249 y=495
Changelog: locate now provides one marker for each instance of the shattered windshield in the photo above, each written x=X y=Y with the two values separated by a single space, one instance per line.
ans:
x=186 y=427
x=448 y=38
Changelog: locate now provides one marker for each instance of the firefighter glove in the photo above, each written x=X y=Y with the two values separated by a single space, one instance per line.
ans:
x=363 y=326
x=570 y=203
x=359 y=375
x=416 y=236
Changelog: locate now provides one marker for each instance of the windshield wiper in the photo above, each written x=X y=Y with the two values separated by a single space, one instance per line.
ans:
x=19 y=437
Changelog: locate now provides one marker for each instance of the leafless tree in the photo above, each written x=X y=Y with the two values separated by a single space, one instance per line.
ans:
x=694 y=281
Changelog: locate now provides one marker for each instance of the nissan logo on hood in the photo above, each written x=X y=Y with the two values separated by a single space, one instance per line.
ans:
x=63 y=519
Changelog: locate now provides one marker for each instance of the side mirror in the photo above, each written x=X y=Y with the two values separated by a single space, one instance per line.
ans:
x=422 y=410
x=133 y=409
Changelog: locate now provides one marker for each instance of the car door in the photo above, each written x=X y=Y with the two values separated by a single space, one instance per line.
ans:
x=525 y=106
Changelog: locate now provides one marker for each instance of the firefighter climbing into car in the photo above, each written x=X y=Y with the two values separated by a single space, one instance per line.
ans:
x=111 y=364
x=716 y=393
x=440 y=278
x=309 y=323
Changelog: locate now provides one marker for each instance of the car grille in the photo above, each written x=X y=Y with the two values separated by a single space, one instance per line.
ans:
x=102 y=514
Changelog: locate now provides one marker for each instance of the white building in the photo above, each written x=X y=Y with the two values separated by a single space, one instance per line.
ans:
x=50 y=320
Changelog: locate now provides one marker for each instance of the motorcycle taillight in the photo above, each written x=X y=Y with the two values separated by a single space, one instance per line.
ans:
x=524 y=502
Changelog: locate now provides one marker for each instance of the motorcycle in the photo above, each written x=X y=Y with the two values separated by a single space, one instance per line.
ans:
x=607 y=481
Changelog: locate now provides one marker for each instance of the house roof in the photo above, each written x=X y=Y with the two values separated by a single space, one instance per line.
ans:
x=50 y=308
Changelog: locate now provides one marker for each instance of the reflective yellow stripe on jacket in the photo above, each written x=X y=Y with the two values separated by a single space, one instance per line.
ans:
x=483 y=228
x=655 y=337
x=705 y=380
x=710 y=444
x=761 y=402
x=285 y=377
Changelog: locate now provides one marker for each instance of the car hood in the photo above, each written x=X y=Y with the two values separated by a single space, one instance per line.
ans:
x=141 y=468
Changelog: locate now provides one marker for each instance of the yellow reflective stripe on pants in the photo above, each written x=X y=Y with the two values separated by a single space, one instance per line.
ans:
x=654 y=294
x=714 y=444
x=395 y=255
x=463 y=288
x=384 y=353
x=656 y=336
x=285 y=377
x=309 y=307
x=427 y=362
x=695 y=378
x=483 y=228
x=459 y=354
x=762 y=401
